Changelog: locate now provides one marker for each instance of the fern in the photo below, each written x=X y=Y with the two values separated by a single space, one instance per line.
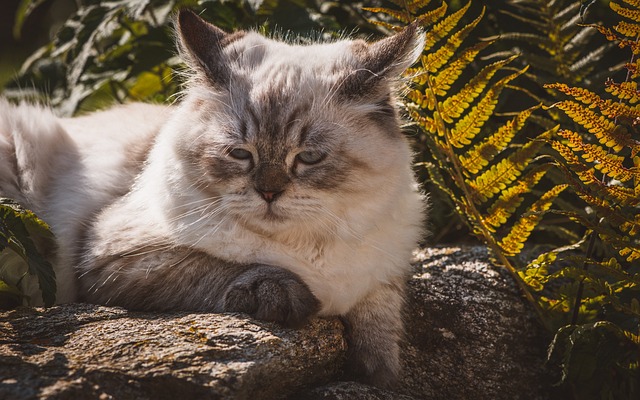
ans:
x=553 y=42
x=500 y=183
x=484 y=160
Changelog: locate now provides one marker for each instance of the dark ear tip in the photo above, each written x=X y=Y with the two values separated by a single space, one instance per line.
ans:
x=186 y=15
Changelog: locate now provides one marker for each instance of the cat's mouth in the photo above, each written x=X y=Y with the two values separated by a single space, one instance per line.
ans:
x=273 y=213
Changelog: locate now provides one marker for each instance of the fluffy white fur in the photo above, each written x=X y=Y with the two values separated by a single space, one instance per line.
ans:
x=124 y=184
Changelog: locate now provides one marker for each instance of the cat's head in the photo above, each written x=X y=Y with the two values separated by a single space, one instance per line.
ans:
x=277 y=134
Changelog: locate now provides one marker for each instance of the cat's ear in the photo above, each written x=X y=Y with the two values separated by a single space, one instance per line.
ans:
x=383 y=60
x=201 y=44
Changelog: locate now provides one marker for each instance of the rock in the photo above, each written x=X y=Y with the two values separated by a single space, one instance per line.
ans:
x=350 y=391
x=470 y=335
x=81 y=351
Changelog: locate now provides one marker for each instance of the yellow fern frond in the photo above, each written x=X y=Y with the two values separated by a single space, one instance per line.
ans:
x=387 y=25
x=426 y=123
x=437 y=178
x=482 y=153
x=603 y=161
x=430 y=17
x=433 y=61
x=627 y=91
x=454 y=105
x=599 y=125
x=402 y=16
x=607 y=163
x=496 y=178
x=593 y=190
x=611 y=36
x=445 y=78
x=584 y=96
x=627 y=29
x=632 y=227
x=513 y=242
x=511 y=198
x=469 y=126
x=625 y=12
x=440 y=30
x=607 y=107
x=569 y=156
x=416 y=5
x=633 y=3
x=636 y=183
x=422 y=99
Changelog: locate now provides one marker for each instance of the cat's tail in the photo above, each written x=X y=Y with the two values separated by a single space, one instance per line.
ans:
x=31 y=144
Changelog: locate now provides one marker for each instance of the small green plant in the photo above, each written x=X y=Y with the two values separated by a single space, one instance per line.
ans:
x=20 y=229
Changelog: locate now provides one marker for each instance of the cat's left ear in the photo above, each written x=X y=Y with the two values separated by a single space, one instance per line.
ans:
x=201 y=43
x=383 y=60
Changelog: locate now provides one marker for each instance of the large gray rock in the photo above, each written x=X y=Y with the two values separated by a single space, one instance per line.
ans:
x=469 y=336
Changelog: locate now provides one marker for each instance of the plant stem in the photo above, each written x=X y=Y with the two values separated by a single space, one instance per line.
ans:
x=578 y=301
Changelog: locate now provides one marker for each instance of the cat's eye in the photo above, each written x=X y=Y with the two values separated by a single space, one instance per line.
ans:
x=240 y=154
x=311 y=157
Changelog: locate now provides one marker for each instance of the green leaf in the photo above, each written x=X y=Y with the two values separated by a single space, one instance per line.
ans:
x=16 y=228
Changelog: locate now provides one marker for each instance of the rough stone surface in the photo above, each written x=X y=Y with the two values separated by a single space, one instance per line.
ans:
x=469 y=336
x=88 y=352
x=470 y=333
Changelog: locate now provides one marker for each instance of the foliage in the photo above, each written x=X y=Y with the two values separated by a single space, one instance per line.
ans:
x=124 y=50
x=556 y=202
x=497 y=182
x=552 y=39
x=18 y=230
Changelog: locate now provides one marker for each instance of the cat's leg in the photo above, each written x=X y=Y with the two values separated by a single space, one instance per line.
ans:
x=374 y=328
x=179 y=278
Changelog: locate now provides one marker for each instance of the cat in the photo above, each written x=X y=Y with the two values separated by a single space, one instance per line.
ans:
x=280 y=186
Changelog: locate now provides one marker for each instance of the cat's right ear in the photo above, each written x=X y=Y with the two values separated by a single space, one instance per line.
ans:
x=201 y=44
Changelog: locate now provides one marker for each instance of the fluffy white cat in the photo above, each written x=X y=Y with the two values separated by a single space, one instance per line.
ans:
x=280 y=186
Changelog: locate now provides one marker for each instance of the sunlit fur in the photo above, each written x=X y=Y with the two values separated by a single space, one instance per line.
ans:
x=140 y=194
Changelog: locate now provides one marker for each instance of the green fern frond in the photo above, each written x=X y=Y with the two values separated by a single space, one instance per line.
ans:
x=513 y=242
x=496 y=178
x=482 y=153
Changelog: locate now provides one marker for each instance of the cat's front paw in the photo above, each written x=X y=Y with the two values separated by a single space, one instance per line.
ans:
x=271 y=294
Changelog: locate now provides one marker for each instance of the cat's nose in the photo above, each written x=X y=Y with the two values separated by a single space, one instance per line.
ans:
x=269 y=196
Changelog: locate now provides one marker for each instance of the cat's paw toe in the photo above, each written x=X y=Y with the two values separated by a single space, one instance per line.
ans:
x=240 y=298
x=272 y=294
x=286 y=301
